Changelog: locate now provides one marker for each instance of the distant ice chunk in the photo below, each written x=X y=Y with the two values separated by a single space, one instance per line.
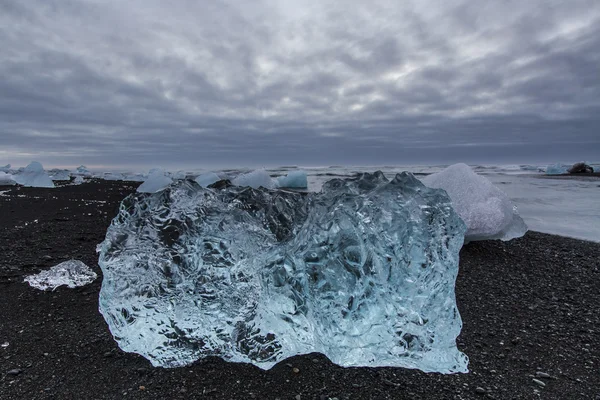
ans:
x=179 y=175
x=487 y=210
x=5 y=168
x=83 y=171
x=206 y=179
x=133 y=177
x=255 y=179
x=60 y=175
x=557 y=169
x=362 y=272
x=34 y=176
x=6 y=179
x=157 y=180
x=294 y=179
x=112 y=176
x=72 y=273
x=78 y=180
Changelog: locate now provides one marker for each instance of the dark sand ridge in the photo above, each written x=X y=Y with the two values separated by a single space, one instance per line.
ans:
x=529 y=308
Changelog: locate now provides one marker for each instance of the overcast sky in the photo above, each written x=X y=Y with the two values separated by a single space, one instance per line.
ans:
x=194 y=83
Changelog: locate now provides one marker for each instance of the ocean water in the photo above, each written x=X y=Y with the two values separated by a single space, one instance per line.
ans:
x=557 y=205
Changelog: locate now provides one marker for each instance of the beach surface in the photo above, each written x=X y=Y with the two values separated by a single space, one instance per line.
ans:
x=529 y=309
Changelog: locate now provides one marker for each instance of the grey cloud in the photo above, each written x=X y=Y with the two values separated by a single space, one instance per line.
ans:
x=219 y=83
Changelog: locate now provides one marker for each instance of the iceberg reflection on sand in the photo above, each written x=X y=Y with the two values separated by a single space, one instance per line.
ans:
x=362 y=272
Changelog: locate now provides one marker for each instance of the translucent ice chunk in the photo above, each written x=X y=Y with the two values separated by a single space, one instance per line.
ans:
x=78 y=180
x=294 y=179
x=362 y=272
x=207 y=178
x=72 y=273
x=179 y=175
x=113 y=176
x=34 y=176
x=156 y=181
x=83 y=171
x=557 y=169
x=255 y=179
x=487 y=210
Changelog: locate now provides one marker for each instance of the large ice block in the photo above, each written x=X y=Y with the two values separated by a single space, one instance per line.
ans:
x=487 y=210
x=34 y=176
x=362 y=272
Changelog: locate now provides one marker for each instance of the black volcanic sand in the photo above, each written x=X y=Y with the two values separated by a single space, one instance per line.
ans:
x=529 y=306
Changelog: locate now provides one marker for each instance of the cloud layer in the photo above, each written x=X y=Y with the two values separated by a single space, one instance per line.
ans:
x=273 y=82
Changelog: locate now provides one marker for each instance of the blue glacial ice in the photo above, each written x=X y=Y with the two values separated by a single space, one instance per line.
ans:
x=362 y=272
x=487 y=211
x=557 y=169
x=34 y=176
x=207 y=178
x=157 y=180
x=294 y=179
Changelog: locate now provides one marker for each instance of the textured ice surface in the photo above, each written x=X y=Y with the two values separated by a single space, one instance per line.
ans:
x=294 y=179
x=5 y=168
x=557 y=169
x=487 y=210
x=208 y=178
x=362 y=272
x=72 y=273
x=255 y=179
x=34 y=176
x=156 y=181
x=6 y=179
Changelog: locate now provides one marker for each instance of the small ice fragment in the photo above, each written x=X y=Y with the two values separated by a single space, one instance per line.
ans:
x=207 y=178
x=78 y=180
x=4 y=345
x=294 y=179
x=255 y=179
x=157 y=181
x=72 y=273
